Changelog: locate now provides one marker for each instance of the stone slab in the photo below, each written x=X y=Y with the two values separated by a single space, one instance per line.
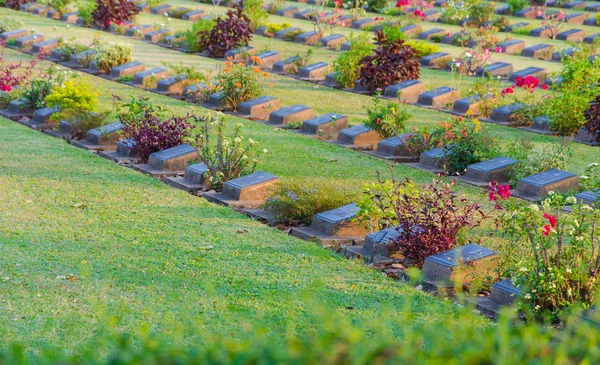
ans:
x=127 y=69
x=259 y=108
x=326 y=124
x=358 y=136
x=316 y=71
x=538 y=72
x=513 y=46
x=536 y=187
x=149 y=78
x=497 y=169
x=291 y=114
x=439 y=97
x=406 y=91
x=173 y=159
x=539 y=51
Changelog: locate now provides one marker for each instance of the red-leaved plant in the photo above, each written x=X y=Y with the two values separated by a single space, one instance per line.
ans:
x=229 y=33
x=9 y=77
x=113 y=12
x=149 y=129
x=391 y=63
x=592 y=116
x=16 y=4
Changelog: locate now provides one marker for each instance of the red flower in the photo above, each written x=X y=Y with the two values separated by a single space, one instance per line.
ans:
x=547 y=230
x=519 y=81
x=551 y=219
x=508 y=90
x=504 y=191
x=6 y=88
x=544 y=87
x=118 y=22
x=108 y=22
x=378 y=121
x=461 y=118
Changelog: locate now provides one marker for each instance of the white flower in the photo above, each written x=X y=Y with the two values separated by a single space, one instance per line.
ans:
x=244 y=157
x=265 y=151
x=593 y=164
x=168 y=19
x=523 y=269
x=33 y=29
x=527 y=296
x=68 y=26
x=166 y=14
x=583 y=177
x=568 y=270
x=237 y=140
x=240 y=125
x=571 y=200
x=251 y=141
x=534 y=207
x=468 y=54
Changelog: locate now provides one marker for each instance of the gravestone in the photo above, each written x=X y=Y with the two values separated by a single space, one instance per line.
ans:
x=267 y=59
x=558 y=56
x=502 y=10
x=513 y=46
x=142 y=7
x=346 y=46
x=239 y=54
x=291 y=114
x=309 y=38
x=512 y=27
x=193 y=179
x=216 y=100
x=81 y=59
x=430 y=60
x=326 y=124
x=345 y=21
x=17 y=109
x=40 y=11
x=28 y=41
x=590 y=197
x=543 y=32
x=287 y=12
x=45 y=46
x=103 y=138
x=529 y=13
x=584 y=136
x=157 y=35
x=590 y=39
x=451 y=38
x=304 y=14
x=464 y=105
x=439 y=97
x=575 y=18
x=593 y=7
x=172 y=85
x=429 y=33
x=173 y=159
x=572 y=35
x=434 y=160
x=125 y=152
x=539 y=51
x=161 y=9
x=411 y=29
x=541 y=124
x=70 y=18
x=394 y=149
x=364 y=23
x=64 y=130
x=432 y=15
x=497 y=169
x=537 y=72
x=503 y=113
x=536 y=187
x=504 y=292
x=127 y=69
x=139 y=31
x=194 y=16
x=41 y=119
x=247 y=191
x=149 y=78
x=259 y=108
x=575 y=5
x=282 y=34
x=13 y=34
x=406 y=91
x=358 y=137
x=333 y=227
x=462 y=265
x=284 y=66
x=375 y=244
x=333 y=41
x=331 y=80
x=316 y=71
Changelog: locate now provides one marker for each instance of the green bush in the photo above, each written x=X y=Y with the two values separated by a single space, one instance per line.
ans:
x=393 y=33
x=113 y=54
x=82 y=121
x=346 y=67
x=533 y=159
x=8 y=23
x=239 y=83
x=516 y=5
x=85 y=9
x=296 y=203
x=73 y=95
x=68 y=48
x=255 y=11
x=272 y=28
x=59 y=5
x=387 y=118
x=191 y=38
x=422 y=48
x=481 y=13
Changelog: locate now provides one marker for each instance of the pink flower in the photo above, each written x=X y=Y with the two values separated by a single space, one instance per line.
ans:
x=547 y=230
x=544 y=87
x=551 y=219
x=508 y=90
x=498 y=49
x=6 y=88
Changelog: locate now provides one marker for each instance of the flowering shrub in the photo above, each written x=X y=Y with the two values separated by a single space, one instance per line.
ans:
x=58 y=5
x=356 y=8
x=145 y=125
x=590 y=180
x=533 y=159
x=16 y=4
x=108 y=12
x=592 y=117
x=14 y=74
x=392 y=62
x=73 y=95
x=530 y=107
x=346 y=65
x=553 y=22
x=323 y=23
x=491 y=87
x=38 y=89
x=562 y=265
x=418 y=7
x=455 y=11
x=66 y=48
x=255 y=12
x=81 y=121
x=471 y=60
x=419 y=141
x=387 y=118
x=481 y=13
x=240 y=83
x=516 y=5
x=8 y=23
x=191 y=37
x=229 y=33
x=85 y=10
x=230 y=157
x=111 y=55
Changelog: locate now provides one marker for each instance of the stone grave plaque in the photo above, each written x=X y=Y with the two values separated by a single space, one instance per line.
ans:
x=259 y=108
x=558 y=56
x=542 y=32
x=497 y=169
x=358 y=136
x=345 y=21
x=195 y=173
x=172 y=85
x=309 y=38
x=82 y=59
x=395 y=147
x=139 y=31
x=284 y=66
x=504 y=292
x=406 y=91
x=512 y=27
x=161 y=9
x=432 y=15
x=288 y=12
x=338 y=222
x=429 y=33
x=441 y=3
x=411 y=29
x=331 y=80
x=538 y=72
x=575 y=5
x=439 y=97
x=450 y=38
x=529 y=13
x=157 y=35
x=53 y=14
x=70 y=17
x=584 y=136
x=470 y=103
x=267 y=59
x=503 y=113
x=42 y=117
x=364 y=23
x=541 y=124
x=589 y=197
x=107 y=134
x=238 y=54
x=254 y=187
x=316 y=71
x=462 y=265
x=304 y=14
x=434 y=159
x=216 y=99
x=502 y=10
x=127 y=69
x=539 y=51
x=173 y=159
x=537 y=186
x=40 y=11
x=575 y=18
x=291 y=114
x=142 y=7
x=13 y=34
x=126 y=147
x=20 y=107
x=513 y=46
x=333 y=41
x=45 y=46
x=375 y=243
x=432 y=59
x=593 y=7
x=149 y=78
x=590 y=39
x=327 y=124
x=572 y=35
x=282 y=34
x=194 y=16
x=29 y=41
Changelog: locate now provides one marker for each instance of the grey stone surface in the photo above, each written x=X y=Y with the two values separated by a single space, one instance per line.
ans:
x=171 y=85
x=45 y=46
x=501 y=69
x=364 y=23
x=239 y=53
x=29 y=41
x=503 y=113
x=539 y=51
x=194 y=15
x=430 y=60
x=358 y=135
x=462 y=264
x=512 y=46
x=108 y=134
x=589 y=197
x=173 y=159
x=429 y=33
x=504 y=292
x=497 y=169
x=196 y=173
x=284 y=33
x=338 y=222
x=157 y=35
x=254 y=187
x=330 y=123
x=161 y=9
x=584 y=136
x=291 y=114
x=395 y=146
x=537 y=186
x=127 y=69
x=259 y=108
x=406 y=91
x=150 y=77
x=20 y=106
x=439 y=97
x=139 y=30
x=13 y=34
x=42 y=116
x=316 y=71
x=573 y=35
x=333 y=41
x=309 y=38
x=284 y=65
x=267 y=59
x=463 y=105
x=288 y=11
x=125 y=148
x=434 y=159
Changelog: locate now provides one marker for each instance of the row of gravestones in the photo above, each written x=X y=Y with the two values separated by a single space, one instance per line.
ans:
x=330 y=227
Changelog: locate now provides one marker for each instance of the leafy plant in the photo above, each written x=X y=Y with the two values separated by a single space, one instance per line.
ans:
x=81 y=121
x=14 y=74
x=255 y=12
x=85 y=10
x=296 y=203
x=39 y=88
x=8 y=23
x=151 y=132
x=191 y=37
x=590 y=180
x=228 y=158
x=186 y=75
x=422 y=48
x=516 y=5
x=16 y=4
x=113 y=11
x=59 y=5
x=387 y=118
x=481 y=13
x=346 y=66
x=113 y=54
x=533 y=159
x=299 y=61
x=392 y=62
x=229 y=33
x=421 y=140
x=323 y=24
x=489 y=89
x=592 y=117
x=73 y=95
x=272 y=28
x=239 y=83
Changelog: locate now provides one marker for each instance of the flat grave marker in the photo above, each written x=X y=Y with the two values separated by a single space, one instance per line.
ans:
x=497 y=169
x=247 y=191
x=536 y=187
x=291 y=114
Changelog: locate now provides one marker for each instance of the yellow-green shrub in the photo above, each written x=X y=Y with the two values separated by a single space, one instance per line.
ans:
x=113 y=54
x=423 y=48
x=73 y=95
